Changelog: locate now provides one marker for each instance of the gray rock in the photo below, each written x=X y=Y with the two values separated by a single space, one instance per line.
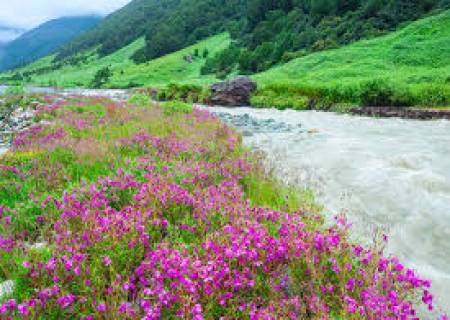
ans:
x=6 y=289
x=234 y=92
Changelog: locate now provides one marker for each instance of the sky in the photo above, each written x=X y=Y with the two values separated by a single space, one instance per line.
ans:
x=27 y=14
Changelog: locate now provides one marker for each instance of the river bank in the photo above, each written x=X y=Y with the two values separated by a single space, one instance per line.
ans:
x=405 y=113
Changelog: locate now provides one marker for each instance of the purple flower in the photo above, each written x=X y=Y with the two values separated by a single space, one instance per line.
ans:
x=101 y=307
x=106 y=261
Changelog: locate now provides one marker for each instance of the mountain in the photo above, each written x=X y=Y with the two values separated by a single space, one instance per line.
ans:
x=8 y=34
x=44 y=39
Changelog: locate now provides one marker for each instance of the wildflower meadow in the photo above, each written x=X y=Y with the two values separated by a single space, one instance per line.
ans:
x=134 y=210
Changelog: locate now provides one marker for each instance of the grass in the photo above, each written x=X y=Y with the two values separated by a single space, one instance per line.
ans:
x=156 y=73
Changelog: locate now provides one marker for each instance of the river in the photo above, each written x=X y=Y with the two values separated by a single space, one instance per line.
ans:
x=391 y=174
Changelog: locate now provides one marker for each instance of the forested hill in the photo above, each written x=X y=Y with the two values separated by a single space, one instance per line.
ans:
x=265 y=31
x=168 y=25
x=274 y=31
x=44 y=39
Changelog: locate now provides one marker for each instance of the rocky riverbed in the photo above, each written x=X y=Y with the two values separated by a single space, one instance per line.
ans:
x=14 y=118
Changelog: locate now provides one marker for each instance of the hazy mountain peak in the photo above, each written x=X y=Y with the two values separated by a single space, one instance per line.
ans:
x=8 y=34
x=44 y=39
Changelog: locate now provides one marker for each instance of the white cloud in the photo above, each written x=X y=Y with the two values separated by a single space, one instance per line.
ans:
x=30 y=13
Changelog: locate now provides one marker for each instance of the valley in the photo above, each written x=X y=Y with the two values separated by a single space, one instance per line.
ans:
x=243 y=159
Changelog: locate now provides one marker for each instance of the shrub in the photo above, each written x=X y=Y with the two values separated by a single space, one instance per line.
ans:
x=379 y=93
x=101 y=77
x=139 y=99
x=288 y=56
x=322 y=44
x=187 y=93
x=172 y=107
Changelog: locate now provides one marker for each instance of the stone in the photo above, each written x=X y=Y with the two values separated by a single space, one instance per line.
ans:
x=234 y=92
x=6 y=289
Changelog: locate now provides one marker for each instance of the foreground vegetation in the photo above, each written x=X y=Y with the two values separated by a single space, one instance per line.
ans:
x=132 y=210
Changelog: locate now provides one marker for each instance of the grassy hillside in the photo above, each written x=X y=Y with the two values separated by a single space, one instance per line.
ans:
x=158 y=72
x=415 y=58
x=417 y=54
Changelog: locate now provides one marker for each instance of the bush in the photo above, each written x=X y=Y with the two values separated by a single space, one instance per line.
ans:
x=321 y=45
x=288 y=56
x=172 y=107
x=379 y=93
x=139 y=99
x=187 y=93
x=101 y=77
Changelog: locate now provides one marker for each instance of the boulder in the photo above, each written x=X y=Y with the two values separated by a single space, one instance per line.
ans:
x=234 y=92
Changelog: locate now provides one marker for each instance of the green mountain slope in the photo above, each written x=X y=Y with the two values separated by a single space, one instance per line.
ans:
x=417 y=54
x=125 y=73
x=44 y=39
x=120 y=28
x=407 y=67
x=168 y=26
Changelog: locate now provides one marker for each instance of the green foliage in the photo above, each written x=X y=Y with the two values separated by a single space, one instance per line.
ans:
x=187 y=93
x=412 y=62
x=120 y=28
x=186 y=23
x=125 y=73
x=205 y=53
x=139 y=99
x=221 y=62
x=288 y=56
x=379 y=93
x=173 y=107
x=434 y=95
x=101 y=77
x=269 y=99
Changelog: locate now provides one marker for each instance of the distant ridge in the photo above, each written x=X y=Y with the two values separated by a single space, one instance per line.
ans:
x=8 y=34
x=44 y=39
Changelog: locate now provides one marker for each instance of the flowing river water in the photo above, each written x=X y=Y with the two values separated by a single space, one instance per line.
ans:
x=391 y=174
